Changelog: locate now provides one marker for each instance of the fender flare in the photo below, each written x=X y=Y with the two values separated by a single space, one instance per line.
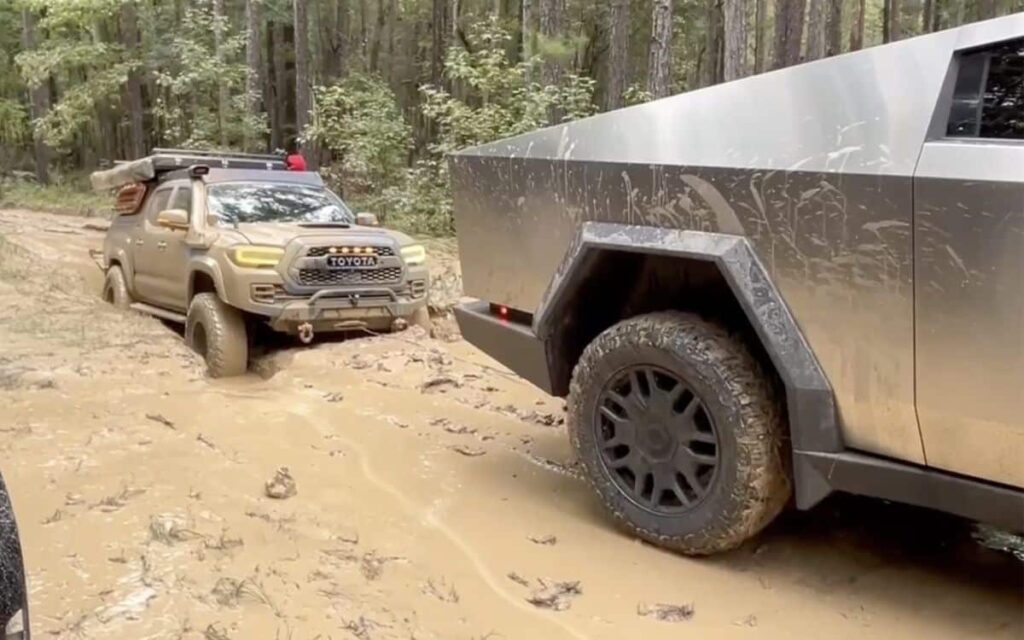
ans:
x=208 y=266
x=813 y=421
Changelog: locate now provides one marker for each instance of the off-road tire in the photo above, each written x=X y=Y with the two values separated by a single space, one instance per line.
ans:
x=420 y=318
x=217 y=332
x=751 y=484
x=115 y=288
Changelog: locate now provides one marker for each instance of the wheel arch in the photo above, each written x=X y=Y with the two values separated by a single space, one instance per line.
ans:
x=205 y=277
x=119 y=258
x=613 y=271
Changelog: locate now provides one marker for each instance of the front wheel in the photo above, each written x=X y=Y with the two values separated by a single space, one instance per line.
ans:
x=679 y=432
x=216 y=331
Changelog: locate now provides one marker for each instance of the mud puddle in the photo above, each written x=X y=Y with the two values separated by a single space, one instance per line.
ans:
x=429 y=494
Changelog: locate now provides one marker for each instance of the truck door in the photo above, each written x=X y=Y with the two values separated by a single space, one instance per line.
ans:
x=969 y=272
x=145 y=282
x=171 y=255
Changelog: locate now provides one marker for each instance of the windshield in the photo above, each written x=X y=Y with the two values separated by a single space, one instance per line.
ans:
x=238 y=202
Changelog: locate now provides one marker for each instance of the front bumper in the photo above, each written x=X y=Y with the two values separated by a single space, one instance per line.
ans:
x=341 y=309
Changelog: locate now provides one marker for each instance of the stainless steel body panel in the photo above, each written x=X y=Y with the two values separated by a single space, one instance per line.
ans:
x=970 y=307
x=813 y=164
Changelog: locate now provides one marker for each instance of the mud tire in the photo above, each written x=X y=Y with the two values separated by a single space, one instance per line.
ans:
x=421 y=318
x=752 y=483
x=217 y=332
x=115 y=288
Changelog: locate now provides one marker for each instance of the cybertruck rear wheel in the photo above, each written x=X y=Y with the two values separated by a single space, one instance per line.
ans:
x=216 y=331
x=115 y=288
x=679 y=432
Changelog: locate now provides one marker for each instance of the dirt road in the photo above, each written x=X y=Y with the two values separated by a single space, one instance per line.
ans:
x=435 y=497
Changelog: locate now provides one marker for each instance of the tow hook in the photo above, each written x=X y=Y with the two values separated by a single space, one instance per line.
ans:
x=306 y=333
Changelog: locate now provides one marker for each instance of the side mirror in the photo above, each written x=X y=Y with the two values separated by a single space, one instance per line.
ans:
x=13 y=594
x=365 y=219
x=173 y=219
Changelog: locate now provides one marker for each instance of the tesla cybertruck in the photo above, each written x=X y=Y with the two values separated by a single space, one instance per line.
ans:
x=807 y=281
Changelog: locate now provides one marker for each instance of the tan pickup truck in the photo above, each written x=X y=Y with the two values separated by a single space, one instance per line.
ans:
x=223 y=243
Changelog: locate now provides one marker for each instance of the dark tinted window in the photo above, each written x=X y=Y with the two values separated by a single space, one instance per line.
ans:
x=988 y=101
x=182 y=199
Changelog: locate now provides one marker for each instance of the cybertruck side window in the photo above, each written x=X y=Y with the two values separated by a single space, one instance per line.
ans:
x=988 y=99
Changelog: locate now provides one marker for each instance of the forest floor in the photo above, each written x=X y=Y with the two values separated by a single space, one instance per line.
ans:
x=435 y=497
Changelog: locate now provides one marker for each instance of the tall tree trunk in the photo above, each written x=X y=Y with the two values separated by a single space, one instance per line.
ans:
x=133 y=85
x=886 y=21
x=815 y=30
x=392 y=28
x=39 y=100
x=438 y=42
x=341 y=39
x=713 y=45
x=760 y=19
x=219 y=22
x=986 y=9
x=378 y=36
x=618 y=54
x=552 y=27
x=926 y=16
x=789 y=30
x=659 y=53
x=277 y=101
x=363 y=31
x=734 y=64
x=834 y=28
x=527 y=27
x=895 y=20
x=303 y=87
x=253 y=61
x=857 y=27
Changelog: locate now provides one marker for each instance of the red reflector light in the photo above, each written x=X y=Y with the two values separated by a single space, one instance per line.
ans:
x=503 y=311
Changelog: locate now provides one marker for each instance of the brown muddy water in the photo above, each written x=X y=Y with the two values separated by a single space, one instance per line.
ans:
x=434 y=496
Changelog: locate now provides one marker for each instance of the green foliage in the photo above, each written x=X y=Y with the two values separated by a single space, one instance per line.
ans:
x=636 y=94
x=493 y=98
x=497 y=98
x=188 y=74
x=359 y=121
x=14 y=126
x=67 y=196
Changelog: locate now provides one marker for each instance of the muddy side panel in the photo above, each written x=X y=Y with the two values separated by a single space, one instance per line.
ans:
x=970 y=307
x=837 y=246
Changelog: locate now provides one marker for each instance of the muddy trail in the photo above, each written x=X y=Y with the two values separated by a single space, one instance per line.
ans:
x=398 y=486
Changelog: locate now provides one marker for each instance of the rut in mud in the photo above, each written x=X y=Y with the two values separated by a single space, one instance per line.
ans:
x=386 y=487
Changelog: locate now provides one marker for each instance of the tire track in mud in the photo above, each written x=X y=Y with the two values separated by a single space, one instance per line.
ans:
x=430 y=518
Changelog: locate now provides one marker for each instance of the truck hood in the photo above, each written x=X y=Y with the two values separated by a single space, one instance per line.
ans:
x=280 y=234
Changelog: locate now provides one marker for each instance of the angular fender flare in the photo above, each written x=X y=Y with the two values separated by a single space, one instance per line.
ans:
x=813 y=423
x=209 y=267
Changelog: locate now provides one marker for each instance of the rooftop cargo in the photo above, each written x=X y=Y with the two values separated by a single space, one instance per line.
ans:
x=163 y=160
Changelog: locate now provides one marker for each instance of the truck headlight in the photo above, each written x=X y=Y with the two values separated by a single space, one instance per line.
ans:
x=256 y=257
x=414 y=255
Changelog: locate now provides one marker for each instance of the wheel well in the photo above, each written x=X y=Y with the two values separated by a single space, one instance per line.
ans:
x=201 y=283
x=621 y=284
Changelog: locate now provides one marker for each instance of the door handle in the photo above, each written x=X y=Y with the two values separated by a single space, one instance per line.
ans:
x=139 y=241
x=161 y=245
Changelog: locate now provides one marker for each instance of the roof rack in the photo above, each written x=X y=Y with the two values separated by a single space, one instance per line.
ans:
x=162 y=160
